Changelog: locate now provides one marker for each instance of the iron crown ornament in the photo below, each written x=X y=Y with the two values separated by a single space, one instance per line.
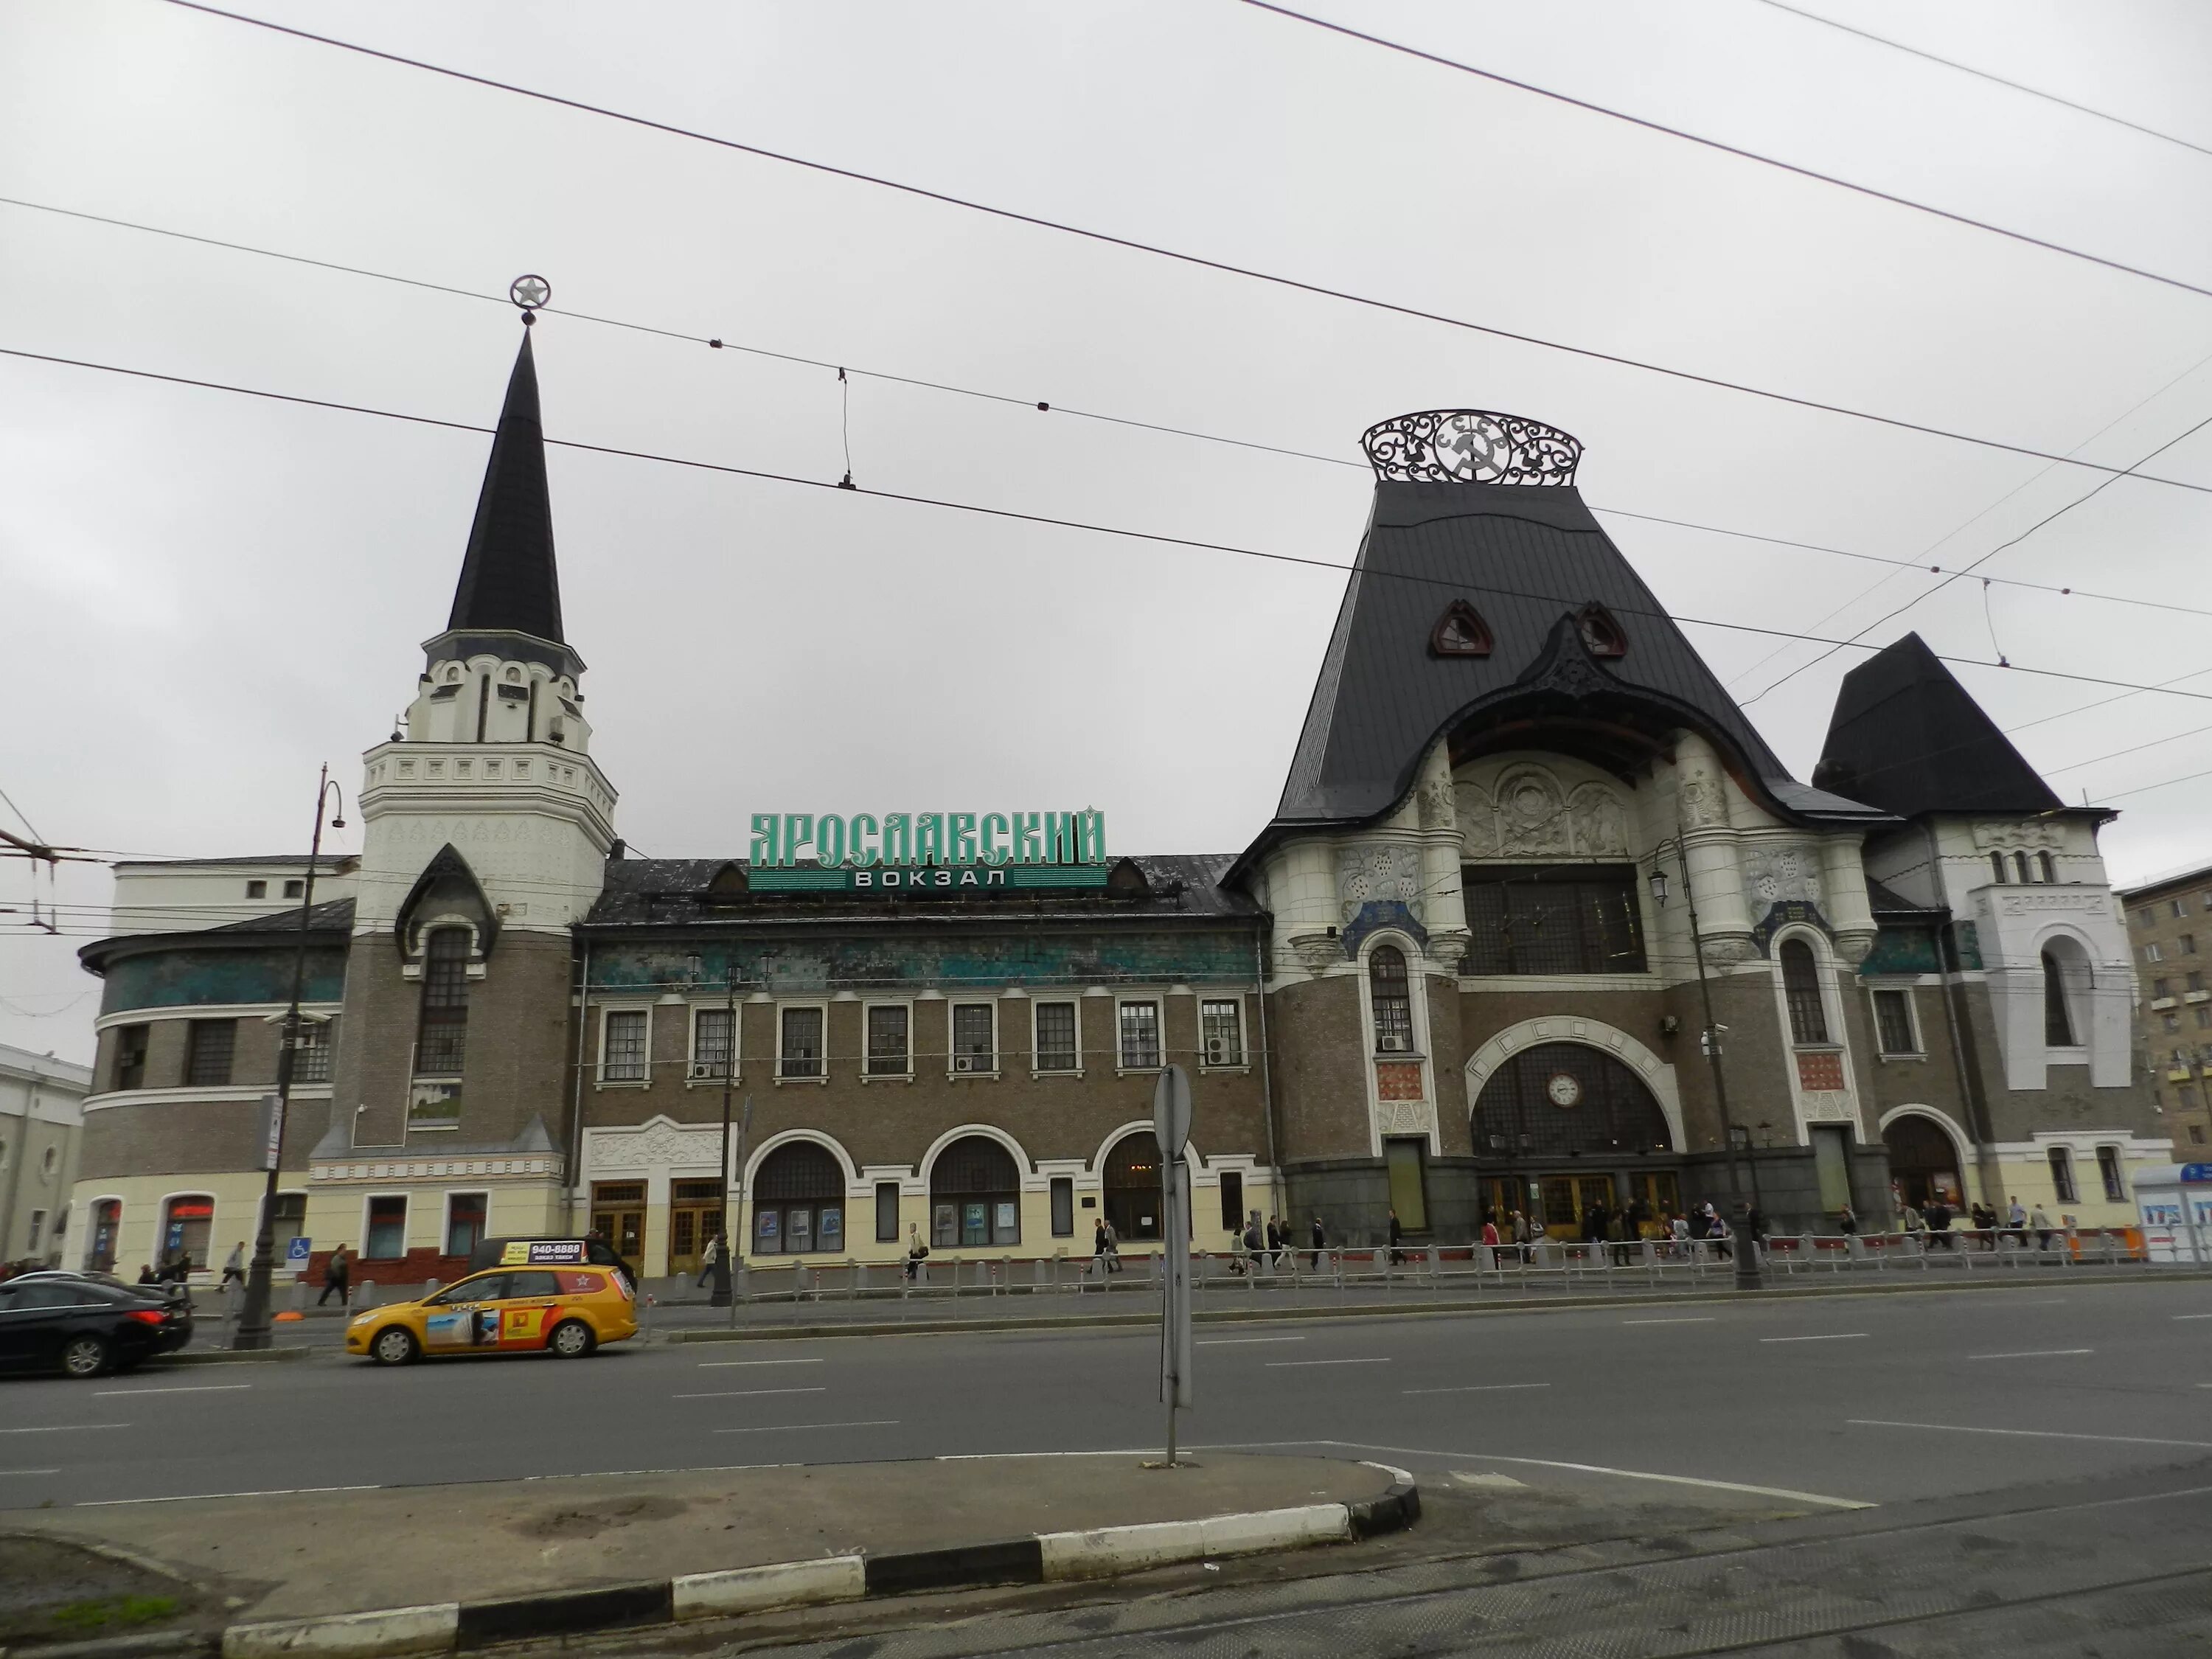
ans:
x=1470 y=446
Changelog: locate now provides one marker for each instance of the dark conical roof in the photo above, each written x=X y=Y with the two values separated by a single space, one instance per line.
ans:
x=508 y=580
x=1906 y=736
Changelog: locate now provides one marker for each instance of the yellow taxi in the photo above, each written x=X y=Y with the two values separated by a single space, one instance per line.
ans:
x=567 y=1311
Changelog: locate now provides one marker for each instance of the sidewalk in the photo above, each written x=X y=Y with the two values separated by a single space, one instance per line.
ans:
x=312 y=1554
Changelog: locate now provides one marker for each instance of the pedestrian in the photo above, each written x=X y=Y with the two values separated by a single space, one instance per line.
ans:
x=916 y=1252
x=337 y=1273
x=1717 y=1231
x=1913 y=1222
x=234 y=1266
x=2017 y=1219
x=1524 y=1234
x=707 y=1258
x=1939 y=1225
x=1490 y=1238
x=1255 y=1240
x=1274 y=1241
x=1397 y=1237
x=1847 y=1223
x=1681 y=1231
x=1112 y=1246
x=1319 y=1242
x=146 y=1273
x=2040 y=1221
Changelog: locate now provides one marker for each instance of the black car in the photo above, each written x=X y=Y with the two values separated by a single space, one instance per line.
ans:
x=74 y=1324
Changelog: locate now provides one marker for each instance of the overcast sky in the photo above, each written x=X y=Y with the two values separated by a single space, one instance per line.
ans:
x=205 y=596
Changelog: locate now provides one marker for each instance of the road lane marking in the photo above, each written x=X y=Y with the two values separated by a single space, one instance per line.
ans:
x=64 y=1428
x=1703 y=1319
x=1833 y=1336
x=1281 y=1364
x=1240 y=1342
x=197 y=1497
x=745 y=1394
x=2026 y=1434
x=1551 y=1463
x=724 y=1364
x=993 y=1457
x=2193 y=1315
x=1478 y=1388
x=792 y=1428
x=30 y=1471
x=193 y=1388
x=2031 y=1353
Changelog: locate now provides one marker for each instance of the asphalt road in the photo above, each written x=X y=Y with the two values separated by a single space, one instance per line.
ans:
x=1850 y=1400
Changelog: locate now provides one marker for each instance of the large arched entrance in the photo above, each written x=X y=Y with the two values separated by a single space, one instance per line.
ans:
x=1561 y=1128
x=1132 y=1185
x=975 y=1194
x=798 y=1202
x=1923 y=1164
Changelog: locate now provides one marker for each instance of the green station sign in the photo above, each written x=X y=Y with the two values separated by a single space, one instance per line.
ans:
x=927 y=851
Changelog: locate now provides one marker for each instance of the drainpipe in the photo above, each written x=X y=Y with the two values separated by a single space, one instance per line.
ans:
x=576 y=1089
x=22 y=1156
x=1970 y=1077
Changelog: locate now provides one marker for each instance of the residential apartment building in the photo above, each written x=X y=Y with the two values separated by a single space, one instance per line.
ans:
x=2170 y=928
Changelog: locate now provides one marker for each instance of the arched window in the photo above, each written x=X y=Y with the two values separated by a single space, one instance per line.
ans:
x=1801 y=989
x=2057 y=1015
x=2050 y=867
x=442 y=1030
x=1923 y=1164
x=2019 y=864
x=1133 y=1185
x=1393 y=999
x=185 y=1222
x=798 y=1202
x=1997 y=867
x=975 y=1194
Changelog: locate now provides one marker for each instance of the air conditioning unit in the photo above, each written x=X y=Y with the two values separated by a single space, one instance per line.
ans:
x=1217 y=1051
x=968 y=1063
x=706 y=1070
x=1395 y=1043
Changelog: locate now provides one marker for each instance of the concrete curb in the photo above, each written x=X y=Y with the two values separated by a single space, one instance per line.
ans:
x=1040 y=1557
x=1264 y=1315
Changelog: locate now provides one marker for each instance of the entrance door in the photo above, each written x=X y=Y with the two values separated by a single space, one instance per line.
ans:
x=1567 y=1198
x=1923 y=1162
x=695 y=1215
x=1661 y=1194
x=618 y=1217
x=1501 y=1196
x=1409 y=1196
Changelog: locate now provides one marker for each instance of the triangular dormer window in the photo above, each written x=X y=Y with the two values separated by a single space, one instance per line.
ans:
x=1460 y=632
x=728 y=886
x=1600 y=634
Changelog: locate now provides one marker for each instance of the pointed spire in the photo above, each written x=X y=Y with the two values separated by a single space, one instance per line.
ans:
x=508 y=579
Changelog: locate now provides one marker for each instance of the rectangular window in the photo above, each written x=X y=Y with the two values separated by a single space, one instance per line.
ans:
x=255 y=889
x=1055 y=1036
x=1232 y=1201
x=464 y=1221
x=714 y=1055
x=2152 y=953
x=2173 y=1021
x=890 y=1049
x=2204 y=1018
x=974 y=1049
x=1559 y=918
x=38 y=1230
x=311 y=1060
x=207 y=1050
x=2181 y=907
x=887 y=1211
x=442 y=1030
x=1063 y=1206
x=2197 y=1135
x=130 y=1056
x=2160 y=988
x=1140 y=1035
x=1892 y=1019
x=295 y=889
x=2062 y=1176
x=2189 y=945
x=290 y=1221
x=800 y=1055
x=2146 y=917
x=1221 y=1033
x=385 y=1239
x=2108 y=1166
x=623 y=1060
x=2196 y=980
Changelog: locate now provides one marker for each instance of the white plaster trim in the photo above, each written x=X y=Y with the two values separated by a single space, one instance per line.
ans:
x=1658 y=1075
x=1417 y=993
x=206 y=1010
x=239 y=1094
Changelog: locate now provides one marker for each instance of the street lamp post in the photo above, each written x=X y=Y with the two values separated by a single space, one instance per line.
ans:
x=721 y=1299
x=254 y=1316
x=1748 y=1274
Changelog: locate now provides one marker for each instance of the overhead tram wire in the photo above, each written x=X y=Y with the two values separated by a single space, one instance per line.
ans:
x=1984 y=75
x=1012 y=515
x=1106 y=238
x=2001 y=547
x=1046 y=406
x=1736 y=151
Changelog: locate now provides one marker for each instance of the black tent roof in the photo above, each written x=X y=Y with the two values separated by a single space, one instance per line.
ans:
x=509 y=583
x=1531 y=562
x=1906 y=736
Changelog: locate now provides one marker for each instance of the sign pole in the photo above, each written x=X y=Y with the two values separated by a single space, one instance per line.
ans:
x=1171 y=1129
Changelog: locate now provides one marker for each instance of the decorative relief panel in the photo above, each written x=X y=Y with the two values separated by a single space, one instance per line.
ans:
x=1402 y=1117
x=663 y=1143
x=1384 y=871
x=1703 y=803
x=1533 y=814
x=2074 y=902
x=1776 y=873
x=1398 y=1079
x=1599 y=822
x=1819 y=1073
x=2011 y=832
x=1478 y=820
x=1433 y=803
x=1828 y=1106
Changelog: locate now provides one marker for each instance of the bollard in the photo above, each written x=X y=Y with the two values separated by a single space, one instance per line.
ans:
x=366 y=1296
